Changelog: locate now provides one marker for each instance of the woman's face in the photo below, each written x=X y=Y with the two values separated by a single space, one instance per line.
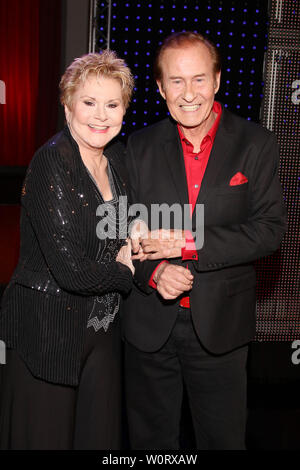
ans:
x=97 y=114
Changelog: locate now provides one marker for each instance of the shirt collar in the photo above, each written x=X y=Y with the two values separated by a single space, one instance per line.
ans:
x=217 y=108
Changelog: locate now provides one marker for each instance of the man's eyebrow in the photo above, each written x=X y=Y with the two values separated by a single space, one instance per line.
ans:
x=174 y=77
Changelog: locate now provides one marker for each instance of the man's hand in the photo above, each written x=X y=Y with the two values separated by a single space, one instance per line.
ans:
x=162 y=244
x=172 y=280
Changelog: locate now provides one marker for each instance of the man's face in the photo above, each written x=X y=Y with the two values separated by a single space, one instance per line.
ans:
x=189 y=85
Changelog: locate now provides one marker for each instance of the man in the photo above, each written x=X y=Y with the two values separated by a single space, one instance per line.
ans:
x=191 y=315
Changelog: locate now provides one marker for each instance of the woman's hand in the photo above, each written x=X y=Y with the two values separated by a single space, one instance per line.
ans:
x=124 y=256
x=138 y=231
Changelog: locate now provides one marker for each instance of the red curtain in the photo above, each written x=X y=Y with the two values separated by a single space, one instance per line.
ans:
x=30 y=39
x=29 y=68
x=19 y=70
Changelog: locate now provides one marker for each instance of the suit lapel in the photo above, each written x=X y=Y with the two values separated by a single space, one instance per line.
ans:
x=175 y=161
x=221 y=151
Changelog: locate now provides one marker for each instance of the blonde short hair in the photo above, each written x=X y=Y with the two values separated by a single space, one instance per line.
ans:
x=105 y=64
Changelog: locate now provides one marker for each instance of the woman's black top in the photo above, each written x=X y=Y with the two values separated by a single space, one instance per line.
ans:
x=67 y=278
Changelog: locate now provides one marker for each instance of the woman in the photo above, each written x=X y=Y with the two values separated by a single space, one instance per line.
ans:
x=59 y=317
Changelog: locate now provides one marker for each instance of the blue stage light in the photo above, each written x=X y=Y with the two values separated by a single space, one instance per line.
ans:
x=243 y=37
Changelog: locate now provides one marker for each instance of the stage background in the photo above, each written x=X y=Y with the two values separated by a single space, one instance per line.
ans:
x=259 y=41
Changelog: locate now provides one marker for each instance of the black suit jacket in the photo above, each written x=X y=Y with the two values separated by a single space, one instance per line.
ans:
x=241 y=224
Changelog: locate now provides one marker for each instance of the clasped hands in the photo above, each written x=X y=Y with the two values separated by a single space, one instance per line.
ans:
x=171 y=280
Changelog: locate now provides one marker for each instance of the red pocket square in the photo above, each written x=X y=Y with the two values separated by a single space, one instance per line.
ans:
x=238 y=178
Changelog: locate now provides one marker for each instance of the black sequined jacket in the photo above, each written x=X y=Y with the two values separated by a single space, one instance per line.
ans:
x=46 y=305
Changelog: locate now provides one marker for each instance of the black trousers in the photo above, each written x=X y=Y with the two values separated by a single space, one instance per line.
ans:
x=216 y=388
x=38 y=415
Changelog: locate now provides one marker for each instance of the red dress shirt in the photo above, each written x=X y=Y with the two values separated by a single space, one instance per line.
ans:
x=195 y=166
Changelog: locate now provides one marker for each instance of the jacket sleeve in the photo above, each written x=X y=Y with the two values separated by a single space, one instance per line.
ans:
x=145 y=269
x=50 y=202
x=265 y=226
